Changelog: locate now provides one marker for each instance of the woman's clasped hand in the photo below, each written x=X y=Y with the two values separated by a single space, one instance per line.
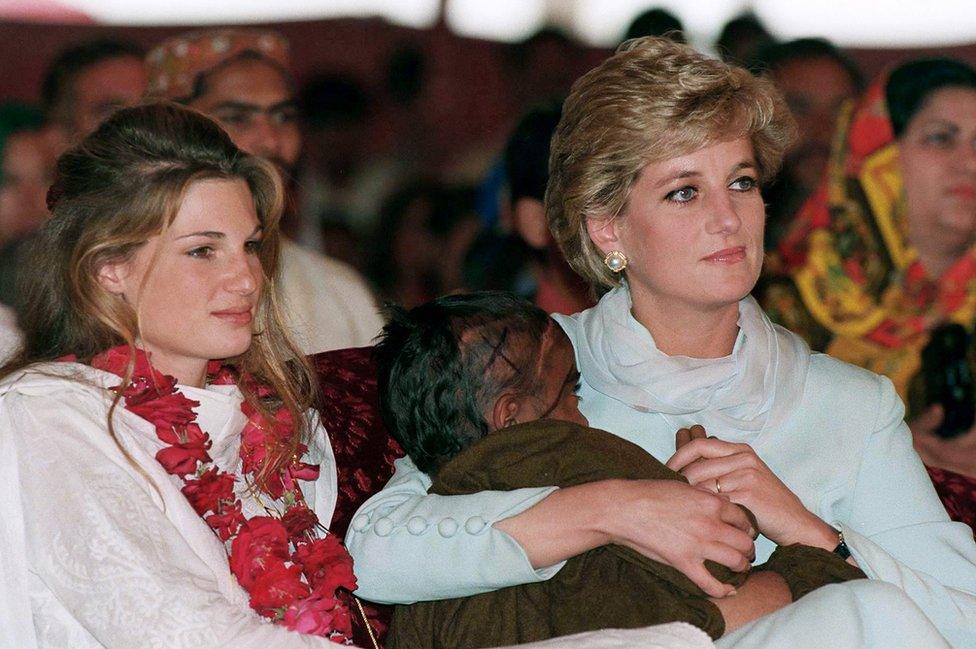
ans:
x=733 y=470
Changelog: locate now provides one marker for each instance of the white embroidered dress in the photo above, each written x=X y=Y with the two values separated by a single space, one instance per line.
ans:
x=97 y=550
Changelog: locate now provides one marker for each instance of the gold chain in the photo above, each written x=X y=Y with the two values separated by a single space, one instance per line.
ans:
x=369 y=627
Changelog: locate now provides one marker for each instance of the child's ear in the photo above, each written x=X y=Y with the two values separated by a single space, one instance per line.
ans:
x=505 y=413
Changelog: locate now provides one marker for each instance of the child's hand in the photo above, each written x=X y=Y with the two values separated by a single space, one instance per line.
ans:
x=685 y=435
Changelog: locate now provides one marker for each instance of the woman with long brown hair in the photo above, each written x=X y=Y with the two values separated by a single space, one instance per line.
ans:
x=163 y=481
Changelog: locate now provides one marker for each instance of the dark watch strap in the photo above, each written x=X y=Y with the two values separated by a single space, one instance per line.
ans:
x=842 y=550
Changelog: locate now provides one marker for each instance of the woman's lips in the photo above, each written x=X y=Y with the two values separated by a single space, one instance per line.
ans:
x=963 y=191
x=235 y=316
x=727 y=256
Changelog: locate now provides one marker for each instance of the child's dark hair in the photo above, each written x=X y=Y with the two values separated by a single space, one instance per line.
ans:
x=441 y=365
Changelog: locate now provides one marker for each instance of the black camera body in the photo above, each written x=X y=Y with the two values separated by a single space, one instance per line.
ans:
x=948 y=378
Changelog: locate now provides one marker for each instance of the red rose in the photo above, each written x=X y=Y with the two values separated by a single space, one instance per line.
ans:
x=206 y=492
x=227 y=522
x=146 y=389
x=189 y=446
x=220 y=374
x=254 y=449
x=170 y=411
x=312 y=615
x=298 y=520
x=282 y=425
x=342 y=623
x=299 y=471
x=326 y=564
x=276 y=587
x=116 y=360
x=261 y=542
x=190 y=434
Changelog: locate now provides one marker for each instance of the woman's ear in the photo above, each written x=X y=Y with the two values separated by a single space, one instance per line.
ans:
x=505 y=412
x=112 y=277
x=604 y=232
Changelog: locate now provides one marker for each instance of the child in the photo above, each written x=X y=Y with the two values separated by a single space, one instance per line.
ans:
x=480 y=391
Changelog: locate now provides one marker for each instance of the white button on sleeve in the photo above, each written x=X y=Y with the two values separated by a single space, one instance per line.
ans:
x=417 y=525
x=474 y=525
x=383 y=527
x=360 y=523
x=448 y=527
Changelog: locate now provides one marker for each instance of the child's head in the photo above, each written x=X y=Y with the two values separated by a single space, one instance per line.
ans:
x=461 y=366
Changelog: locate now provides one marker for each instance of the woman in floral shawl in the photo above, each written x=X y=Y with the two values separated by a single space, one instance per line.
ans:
x=884 y=251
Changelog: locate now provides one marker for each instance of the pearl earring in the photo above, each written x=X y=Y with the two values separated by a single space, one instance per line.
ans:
x=616 y=261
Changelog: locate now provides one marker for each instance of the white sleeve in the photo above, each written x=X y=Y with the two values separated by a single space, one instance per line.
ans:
x=410 y=546
x=86 y=525
x=899 y=531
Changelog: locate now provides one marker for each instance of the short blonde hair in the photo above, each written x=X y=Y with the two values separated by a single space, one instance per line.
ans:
x=653 y=100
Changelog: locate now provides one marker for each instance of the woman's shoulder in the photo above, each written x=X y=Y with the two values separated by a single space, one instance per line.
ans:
x=46 y=404
x=56 y=380
x=848 y=390
x=57 y=391
x=842 y=375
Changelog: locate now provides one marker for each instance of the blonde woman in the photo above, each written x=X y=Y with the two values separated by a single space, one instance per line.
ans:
x=162 y=481
x=654 y=199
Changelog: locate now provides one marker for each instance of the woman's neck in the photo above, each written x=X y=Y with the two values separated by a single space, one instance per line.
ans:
x=187 y=371
x=937 y=256
x=683 y=330
x=936 y=262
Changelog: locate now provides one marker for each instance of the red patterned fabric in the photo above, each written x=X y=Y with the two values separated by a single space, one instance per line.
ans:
x=364 y=451
x=349 y=407
x=958 y=494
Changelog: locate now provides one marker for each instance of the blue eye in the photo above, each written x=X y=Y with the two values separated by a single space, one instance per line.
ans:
x=744 y=184
x=682 y=195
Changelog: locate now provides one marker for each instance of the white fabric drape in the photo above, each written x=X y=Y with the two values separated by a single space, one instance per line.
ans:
x=755 y=387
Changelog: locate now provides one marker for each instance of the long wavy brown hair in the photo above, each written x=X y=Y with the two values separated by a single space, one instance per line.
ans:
x=120 y=186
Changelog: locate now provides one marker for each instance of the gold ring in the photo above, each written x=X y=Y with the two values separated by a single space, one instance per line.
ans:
x=718 y=486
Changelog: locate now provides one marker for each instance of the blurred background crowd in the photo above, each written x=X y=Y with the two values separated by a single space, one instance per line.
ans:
x=417 y=162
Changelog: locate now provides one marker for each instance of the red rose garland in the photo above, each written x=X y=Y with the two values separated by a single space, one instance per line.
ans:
x=292 y=577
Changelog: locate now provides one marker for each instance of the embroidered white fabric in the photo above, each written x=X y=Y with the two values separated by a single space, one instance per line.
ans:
x=102 y=550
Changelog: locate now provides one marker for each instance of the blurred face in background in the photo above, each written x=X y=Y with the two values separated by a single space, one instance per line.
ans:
x=26 y=172
x=937 y=152
x=101 y=89
x=815 y=89
x=255 y=103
